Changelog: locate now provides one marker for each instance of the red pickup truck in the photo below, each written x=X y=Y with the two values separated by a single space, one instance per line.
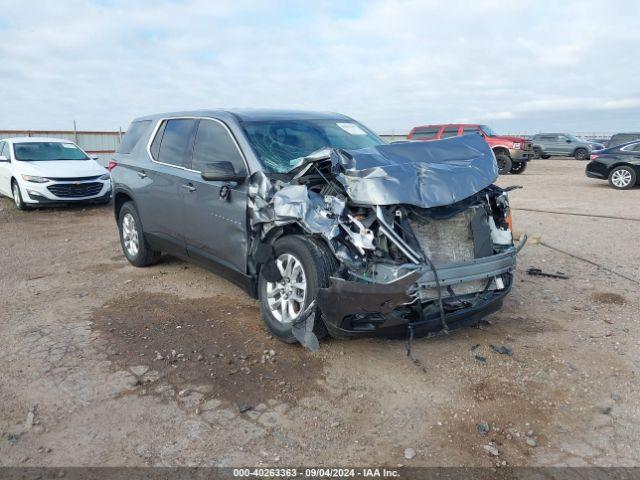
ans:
x=512 y=153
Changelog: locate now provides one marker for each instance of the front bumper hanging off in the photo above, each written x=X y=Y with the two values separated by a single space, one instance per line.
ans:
x=353 y=308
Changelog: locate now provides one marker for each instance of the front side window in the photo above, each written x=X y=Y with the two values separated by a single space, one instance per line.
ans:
x=213 y=143
x=173 y=141
x=487 y=131
x=282 y=144
x=469 y=130
x=47 y=151
x=4 y=149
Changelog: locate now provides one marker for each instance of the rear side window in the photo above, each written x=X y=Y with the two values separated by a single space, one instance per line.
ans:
x=425 y=133
x=173 y=141
x=133 y=135
x=214 y=143
x=449 y=132
x=468 y=130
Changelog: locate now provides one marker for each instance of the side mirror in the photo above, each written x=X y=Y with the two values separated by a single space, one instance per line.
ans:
x=94 y=157
x=568 y=140
x=3 y=158
x=222 y=171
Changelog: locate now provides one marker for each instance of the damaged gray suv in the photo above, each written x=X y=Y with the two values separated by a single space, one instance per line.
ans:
x=332 y=229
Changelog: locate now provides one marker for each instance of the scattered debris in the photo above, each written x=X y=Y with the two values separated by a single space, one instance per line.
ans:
x=539 y=273
x=531 y=442
x=139 y=370
x=483 y=428
x=474 y=347
x=491 y=449
x=616 y=397
x=607 y=410
x=480 y=358
x=409 y=453
x=31 y=418
x=243 y=407
x=502 y=350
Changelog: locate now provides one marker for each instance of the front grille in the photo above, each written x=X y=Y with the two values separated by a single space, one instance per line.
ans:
x=528 y=145
x=72 y=190
x=73 y=179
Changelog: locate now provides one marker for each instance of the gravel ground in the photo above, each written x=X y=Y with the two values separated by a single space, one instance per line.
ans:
x=105 y=364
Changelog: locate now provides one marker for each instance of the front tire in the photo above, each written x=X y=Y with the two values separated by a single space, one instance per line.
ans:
x=17 y=197
x=581 y=154
x=134 y=245
x=518 y=168
x=305 y=265
x=622 y=178
x=504 y=163
x=546 y=157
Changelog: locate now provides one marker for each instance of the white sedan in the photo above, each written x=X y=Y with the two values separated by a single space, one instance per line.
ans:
x=41 y=171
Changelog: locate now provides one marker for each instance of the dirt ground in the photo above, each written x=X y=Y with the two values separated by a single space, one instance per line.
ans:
x=106 y=364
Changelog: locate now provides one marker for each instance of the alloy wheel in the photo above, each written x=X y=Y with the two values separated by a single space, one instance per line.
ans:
x=130 y=235
x=621 y=178
x=286 y=297
x=16 y=196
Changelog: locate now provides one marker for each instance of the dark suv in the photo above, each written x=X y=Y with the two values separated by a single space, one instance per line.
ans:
x=331 y=228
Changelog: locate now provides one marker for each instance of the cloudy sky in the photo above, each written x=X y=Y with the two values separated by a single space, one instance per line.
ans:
x=521 y=66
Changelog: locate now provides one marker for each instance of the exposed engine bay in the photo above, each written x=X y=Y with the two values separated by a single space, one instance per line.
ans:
x=420 y=232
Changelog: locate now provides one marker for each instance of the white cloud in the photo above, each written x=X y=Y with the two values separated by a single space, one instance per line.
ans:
x=521 y=65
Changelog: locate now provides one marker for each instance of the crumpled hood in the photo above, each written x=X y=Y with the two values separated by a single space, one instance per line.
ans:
x=424 y=174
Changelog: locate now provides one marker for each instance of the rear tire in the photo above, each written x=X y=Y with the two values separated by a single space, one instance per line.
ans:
x=134 y=245
x=17 y=197
x=518 y=168
x=317 y=265
x=581 y=154
x=504 y=163
x=622 y=178
x=546 y=157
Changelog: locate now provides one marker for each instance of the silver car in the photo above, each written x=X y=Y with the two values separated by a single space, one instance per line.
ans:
x=333 y=230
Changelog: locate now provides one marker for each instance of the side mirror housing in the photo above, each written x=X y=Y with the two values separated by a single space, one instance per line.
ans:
x=568 y=141
x=222 y=171
x=3 y=158
x=94 y=157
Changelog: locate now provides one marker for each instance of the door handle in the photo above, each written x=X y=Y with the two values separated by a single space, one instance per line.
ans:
x=142 y=174
x=189 y=187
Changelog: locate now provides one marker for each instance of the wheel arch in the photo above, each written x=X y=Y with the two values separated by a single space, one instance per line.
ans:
x=501 y=150
x=120 y=197
x=573 y=154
